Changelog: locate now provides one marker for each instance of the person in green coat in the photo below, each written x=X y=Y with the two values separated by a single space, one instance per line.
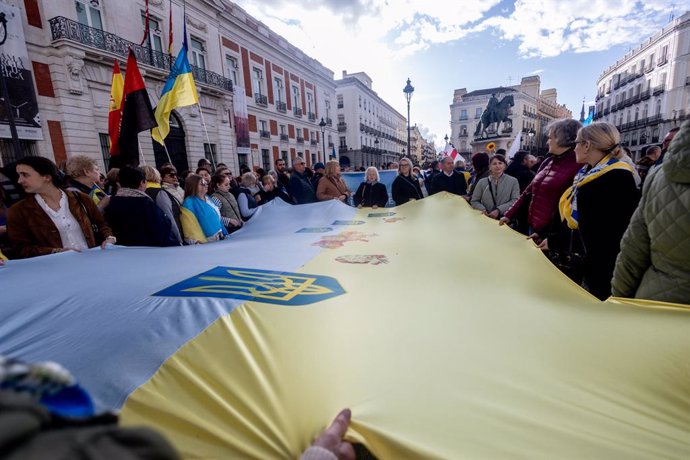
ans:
x=654 y=262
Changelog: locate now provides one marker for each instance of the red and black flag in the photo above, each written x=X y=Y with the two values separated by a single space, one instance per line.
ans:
x=137 y=114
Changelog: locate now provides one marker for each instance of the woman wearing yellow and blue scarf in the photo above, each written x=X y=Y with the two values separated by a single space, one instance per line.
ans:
x=599 y=205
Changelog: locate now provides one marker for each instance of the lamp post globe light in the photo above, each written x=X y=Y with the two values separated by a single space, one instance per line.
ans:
x=408 y=90
x=531 y=133
x=322 y=125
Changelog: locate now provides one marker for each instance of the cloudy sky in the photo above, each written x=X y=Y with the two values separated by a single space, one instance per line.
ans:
x=442 y=45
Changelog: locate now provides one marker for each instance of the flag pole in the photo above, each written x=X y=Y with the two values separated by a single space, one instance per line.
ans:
x=164 y=146
x=208 y=140
x=141 y=153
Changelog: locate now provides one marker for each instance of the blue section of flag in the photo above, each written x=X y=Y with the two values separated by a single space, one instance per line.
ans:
x=281 y=288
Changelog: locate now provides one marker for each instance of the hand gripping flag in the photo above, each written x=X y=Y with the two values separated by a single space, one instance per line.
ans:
x=137 y=114
x=179 y=91
x=115 y=109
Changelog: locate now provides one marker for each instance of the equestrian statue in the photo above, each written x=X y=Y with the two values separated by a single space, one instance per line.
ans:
x=496 y=112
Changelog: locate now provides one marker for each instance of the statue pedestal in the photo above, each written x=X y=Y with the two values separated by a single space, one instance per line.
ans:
x=503 y=141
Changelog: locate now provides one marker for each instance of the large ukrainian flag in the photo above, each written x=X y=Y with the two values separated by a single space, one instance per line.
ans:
x=466 y=345
x=179 y=91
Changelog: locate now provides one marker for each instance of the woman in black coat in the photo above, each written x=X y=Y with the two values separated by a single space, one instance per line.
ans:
x=371 y=193
x=406 y=186
x=598 y=206
x=519 y=169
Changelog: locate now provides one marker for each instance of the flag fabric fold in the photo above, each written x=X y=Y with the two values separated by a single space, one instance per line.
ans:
x=515 y=146
x=450 y=151
x=115 y=109
x=179 y=91
x=137 y=114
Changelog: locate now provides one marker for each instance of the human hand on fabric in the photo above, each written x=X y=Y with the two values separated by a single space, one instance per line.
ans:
x=359 y=206
x=109 y=240
x=342 y=197
x=503 y=221
x=235 y=222
x=544 y=245
x=493 y=214
x=375 y=207
x=332 y=438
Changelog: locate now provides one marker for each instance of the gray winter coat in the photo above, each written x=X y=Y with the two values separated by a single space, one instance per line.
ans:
x=507 y=193
x=654 y=262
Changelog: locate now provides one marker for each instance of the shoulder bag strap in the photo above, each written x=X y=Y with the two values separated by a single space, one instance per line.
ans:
x=94 y=227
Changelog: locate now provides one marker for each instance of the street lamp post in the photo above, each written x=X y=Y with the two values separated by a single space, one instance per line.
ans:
x=322 y=125
x=408 y=90
x=531 y=133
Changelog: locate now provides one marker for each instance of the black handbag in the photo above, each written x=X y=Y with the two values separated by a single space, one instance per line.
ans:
x=571 y=262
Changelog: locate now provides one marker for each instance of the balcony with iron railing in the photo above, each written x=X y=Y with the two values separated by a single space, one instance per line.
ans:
x=311 y=116
x=300 y=140
x=645 y=94
x=340 y=105
x=62 y=28
x=284 y=137
x=659 y=89
x=281 y=106
x=342 y=126
x=331 y=145
x=297 y=111
x=687 y=81
x=654 y=119
x=265 y=134
x=261 y=99
x=662 y=61
x=329 y=122
x=313 y=142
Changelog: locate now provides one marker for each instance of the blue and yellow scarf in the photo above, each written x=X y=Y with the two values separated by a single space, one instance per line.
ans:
x=208 y=218
x=568 y=202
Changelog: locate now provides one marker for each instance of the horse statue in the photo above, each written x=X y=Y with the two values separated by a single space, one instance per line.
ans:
x=497 y=114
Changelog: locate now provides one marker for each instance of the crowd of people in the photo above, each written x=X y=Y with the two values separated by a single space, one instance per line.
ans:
x=576 y=203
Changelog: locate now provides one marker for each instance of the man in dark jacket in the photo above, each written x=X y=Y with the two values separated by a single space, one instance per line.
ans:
x=448 y=180
x=300 y=187
x=134 y=217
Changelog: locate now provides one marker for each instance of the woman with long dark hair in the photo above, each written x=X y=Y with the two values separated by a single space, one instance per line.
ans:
x=50 y=220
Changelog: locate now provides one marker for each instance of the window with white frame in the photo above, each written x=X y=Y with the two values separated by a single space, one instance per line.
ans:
x=295 y=96
x=155 y=38
x=89 y=13
x=198 y=52
x=231 y=69
x=278 y=89
x=257 y=81
x=310 y=103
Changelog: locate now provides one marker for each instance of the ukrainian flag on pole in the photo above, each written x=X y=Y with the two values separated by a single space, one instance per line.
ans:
x=179 y=91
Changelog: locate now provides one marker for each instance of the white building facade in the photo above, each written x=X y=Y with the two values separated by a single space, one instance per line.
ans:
x=370 y=131
x=532 y=110
x=72 y=45
x=647 y=92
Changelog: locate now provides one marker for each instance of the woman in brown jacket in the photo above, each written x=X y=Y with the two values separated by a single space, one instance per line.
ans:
x=51 y=220
x=332 y=186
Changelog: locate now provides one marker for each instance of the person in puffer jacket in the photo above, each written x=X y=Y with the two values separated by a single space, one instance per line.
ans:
x=555 y=175
x=654 y=262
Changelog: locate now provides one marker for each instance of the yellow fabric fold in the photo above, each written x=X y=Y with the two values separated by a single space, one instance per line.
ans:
x=470 y=346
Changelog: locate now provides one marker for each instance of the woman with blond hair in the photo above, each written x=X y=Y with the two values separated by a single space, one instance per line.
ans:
x=371 y=193
x=248 y=195
x=163 y=199
x=332 y=186
x=406 y=186
x=596 y=209
x=84 y=175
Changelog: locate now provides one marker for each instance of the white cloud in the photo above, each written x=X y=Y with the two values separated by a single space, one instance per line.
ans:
x=547 y=28
x=536 y=72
